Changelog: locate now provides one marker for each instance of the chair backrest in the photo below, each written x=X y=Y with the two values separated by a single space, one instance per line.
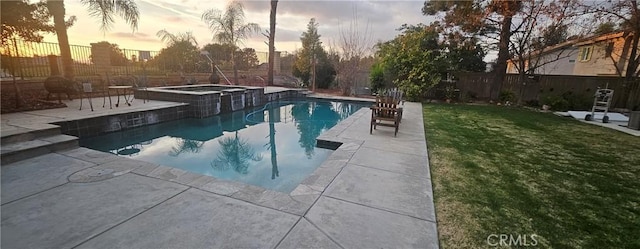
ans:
x=393 y=93
x=386 y=102
x=94 y=83
x=396 y=94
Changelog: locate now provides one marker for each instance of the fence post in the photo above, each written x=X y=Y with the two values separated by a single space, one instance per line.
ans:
x=15 y=46
x=101 y=57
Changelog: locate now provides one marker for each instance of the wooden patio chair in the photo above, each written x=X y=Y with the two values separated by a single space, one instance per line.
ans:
x=385 y=113
x=396 y=94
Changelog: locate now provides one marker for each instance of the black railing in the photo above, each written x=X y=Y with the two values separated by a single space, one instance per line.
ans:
x=39 y=60
x=26 y=60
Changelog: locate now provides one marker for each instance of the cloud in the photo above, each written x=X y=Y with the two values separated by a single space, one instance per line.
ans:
x=175 y=19
x=152 y=8
x=140 y=37
x=379 y=19
x=285 y=35
x=327 y=12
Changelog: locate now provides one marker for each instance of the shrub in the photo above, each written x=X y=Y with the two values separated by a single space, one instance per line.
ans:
x=556 y=102
x=450 y=92
x=469 y=96
x=532 y=103
x=377 y=77
x=577 y=102
x=506 y=95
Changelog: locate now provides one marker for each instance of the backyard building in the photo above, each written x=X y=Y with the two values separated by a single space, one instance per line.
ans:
x=600 y=55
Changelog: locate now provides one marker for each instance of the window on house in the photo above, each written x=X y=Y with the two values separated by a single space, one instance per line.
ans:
x=585 y=53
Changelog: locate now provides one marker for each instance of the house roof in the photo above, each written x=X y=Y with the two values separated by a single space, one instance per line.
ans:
x=579 y=42
x=595 y=39
x=556 y=47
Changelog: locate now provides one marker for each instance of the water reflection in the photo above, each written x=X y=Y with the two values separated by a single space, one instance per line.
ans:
x=235 y=153
x=235 y=146
x=186 y=145
x=272 y=144
x=313 y=119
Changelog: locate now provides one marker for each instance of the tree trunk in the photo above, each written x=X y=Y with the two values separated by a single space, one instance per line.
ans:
x=272 y=35
x=630 y=78
x=522 y=79
x=272 y=145
x=500 y=69
x=56 y=8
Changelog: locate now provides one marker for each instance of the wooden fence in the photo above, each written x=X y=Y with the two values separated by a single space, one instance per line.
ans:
x=481 y=86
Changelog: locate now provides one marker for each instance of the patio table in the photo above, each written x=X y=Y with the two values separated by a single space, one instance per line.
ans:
x=122 y=90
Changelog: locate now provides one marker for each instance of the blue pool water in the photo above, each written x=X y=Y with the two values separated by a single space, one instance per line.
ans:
x=272 y=146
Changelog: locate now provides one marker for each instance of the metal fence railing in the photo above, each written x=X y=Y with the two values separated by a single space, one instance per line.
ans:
x=34 y=60
x=39 y=59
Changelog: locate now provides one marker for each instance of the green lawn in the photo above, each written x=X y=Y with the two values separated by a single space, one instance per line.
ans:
x=499 y=170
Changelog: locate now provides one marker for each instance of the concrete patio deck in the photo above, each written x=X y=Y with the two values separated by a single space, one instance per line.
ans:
x=374 y=191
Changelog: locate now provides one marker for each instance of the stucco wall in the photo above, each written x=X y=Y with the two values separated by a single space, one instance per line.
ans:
x=600 y=63
x=560 y=62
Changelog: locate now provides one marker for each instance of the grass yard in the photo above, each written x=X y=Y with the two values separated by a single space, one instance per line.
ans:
x=499 y=170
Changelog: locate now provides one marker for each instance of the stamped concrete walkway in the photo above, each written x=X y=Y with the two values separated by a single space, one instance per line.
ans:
x=374 y=191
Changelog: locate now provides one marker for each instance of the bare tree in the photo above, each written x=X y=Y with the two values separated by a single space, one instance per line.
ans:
x=530 y=38
x=354 y=43
x=627 y=60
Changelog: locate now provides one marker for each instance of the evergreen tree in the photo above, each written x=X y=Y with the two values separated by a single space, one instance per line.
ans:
x=312 y=48
x=492 y=19
x=23 y=20
x=414 y=60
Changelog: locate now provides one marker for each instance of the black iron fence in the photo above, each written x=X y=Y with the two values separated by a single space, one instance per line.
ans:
x=33 y=60
x=27 y=60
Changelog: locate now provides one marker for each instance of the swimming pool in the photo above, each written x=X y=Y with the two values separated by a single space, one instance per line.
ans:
x=273 y=146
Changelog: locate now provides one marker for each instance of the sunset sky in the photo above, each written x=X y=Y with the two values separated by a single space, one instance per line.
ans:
x=382 y=16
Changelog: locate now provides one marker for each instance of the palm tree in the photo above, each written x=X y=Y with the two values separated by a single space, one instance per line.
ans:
x=186 y=145
x=103 y=9
x=229 y=28
x=272 y=144
x=172 y=39
x=235 y=153
x=181 y=50
x=272 y=35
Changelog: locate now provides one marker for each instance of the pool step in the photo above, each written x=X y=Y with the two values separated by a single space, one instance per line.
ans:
x=22 y=135
x=39 y=145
